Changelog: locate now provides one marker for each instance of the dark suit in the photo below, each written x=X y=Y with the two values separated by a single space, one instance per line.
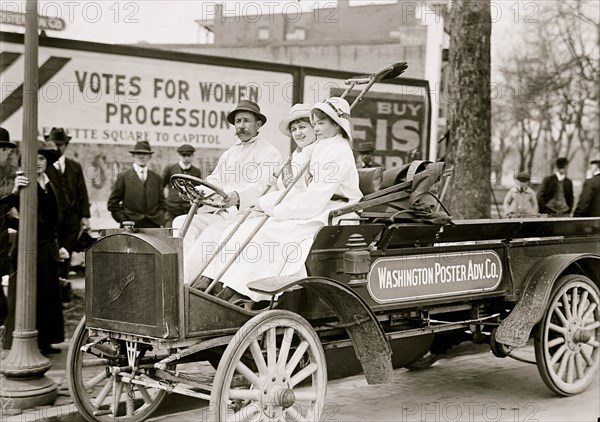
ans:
x=176 y=205
x=589 y=200
x=548 y=190
x=73 y=202
x=137 y=201
x=7 y=201
x=6 y=221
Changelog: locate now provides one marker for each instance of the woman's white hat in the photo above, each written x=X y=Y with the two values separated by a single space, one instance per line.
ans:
x=338 y=110
x=298 y=111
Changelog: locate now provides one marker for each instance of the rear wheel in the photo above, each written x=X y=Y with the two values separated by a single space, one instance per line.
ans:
x=567 y=341
x=273 y=370
x=100 y=395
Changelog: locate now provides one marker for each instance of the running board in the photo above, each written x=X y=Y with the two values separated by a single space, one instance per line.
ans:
x=444 y=326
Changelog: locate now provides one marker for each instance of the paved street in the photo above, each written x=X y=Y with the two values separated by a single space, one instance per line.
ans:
x=465 y=388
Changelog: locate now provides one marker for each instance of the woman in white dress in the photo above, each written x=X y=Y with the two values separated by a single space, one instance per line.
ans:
x=282 y=245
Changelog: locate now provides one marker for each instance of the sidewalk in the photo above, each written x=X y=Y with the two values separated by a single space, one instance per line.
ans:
x=63 y=408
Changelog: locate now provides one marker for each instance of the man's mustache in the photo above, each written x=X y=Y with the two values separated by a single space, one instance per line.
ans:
x=241 y=131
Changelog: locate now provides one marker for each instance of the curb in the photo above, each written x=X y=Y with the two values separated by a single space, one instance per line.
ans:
x=64 y=408
x=66 y=412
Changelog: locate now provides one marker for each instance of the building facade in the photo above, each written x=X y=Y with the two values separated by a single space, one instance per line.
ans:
x=359 y=39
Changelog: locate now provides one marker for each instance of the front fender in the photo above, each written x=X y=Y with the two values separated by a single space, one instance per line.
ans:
x=370 y=343
x=515 y=329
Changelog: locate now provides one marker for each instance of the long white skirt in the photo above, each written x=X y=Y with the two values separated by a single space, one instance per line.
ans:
x=205 y=242
x=205 y=217
x=279 y=248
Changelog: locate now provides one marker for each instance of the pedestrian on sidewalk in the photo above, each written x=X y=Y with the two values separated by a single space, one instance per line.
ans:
x=74 y=205
x=138 y=194
x=176 y=205
x=555 y=196
x=7 y=219
x=589 y=200
x=49 y=315
x=520 y=200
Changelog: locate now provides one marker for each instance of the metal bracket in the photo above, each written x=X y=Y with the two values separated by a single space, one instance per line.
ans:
x=132 y=355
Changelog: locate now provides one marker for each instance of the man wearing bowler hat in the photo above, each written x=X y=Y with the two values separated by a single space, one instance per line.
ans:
x=176 y=205
x=7 y=167
x=589 y=200
x=7 y=220
x=555 y=196
x=243 y=171
x=74 y=204
x=138 y=192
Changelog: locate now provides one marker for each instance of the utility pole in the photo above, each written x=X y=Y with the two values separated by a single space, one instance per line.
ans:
x=25 y=385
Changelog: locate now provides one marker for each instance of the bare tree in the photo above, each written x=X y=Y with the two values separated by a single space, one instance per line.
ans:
x=502 y=136
x=556 y=72
x=469 y=144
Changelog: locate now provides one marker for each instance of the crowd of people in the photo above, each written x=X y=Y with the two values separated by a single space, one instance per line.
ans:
x=555 y=196
x=266 y=199
x=50 y=211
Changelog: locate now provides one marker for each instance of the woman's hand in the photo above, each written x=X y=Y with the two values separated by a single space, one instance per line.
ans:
x=63 y=254
x=20 y=182
x=85 y=224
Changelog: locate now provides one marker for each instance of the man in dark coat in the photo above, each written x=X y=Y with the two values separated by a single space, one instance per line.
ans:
x=176 y=205
x=138 y=192
x=67 y=175
x=555 y=196
x=589 y=200
x=365 y=152
x=7 y=220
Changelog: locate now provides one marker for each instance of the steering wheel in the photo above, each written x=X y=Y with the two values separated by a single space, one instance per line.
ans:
x=188 y=186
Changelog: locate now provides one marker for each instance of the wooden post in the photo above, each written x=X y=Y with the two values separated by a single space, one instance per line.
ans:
x=25 y=385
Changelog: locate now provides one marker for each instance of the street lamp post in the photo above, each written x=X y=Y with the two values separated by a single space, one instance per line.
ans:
x=25 y=385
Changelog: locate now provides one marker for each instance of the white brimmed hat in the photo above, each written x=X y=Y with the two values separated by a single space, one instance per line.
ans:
x=338 y=110
x=298 y=111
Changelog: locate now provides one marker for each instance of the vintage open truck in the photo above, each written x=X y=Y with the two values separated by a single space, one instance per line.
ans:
x=386 y=284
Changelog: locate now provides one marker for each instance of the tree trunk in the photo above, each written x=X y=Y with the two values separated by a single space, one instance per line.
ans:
x=469 y=146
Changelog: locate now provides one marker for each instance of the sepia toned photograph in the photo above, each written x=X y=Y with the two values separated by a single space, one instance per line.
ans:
x=300 y=210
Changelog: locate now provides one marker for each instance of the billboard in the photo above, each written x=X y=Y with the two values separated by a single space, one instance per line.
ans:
x=393 y=118
x=108 y=97
x=113 y=99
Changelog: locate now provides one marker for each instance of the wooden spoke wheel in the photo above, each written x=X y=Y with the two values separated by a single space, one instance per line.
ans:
x=97 y=392
x=567 y=342
x=273 y=370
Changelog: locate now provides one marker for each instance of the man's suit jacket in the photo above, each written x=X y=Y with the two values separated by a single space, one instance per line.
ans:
x=548 y=189
x=589 y=200
x=76 y=200
x=134 y=200
x=176 y=205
